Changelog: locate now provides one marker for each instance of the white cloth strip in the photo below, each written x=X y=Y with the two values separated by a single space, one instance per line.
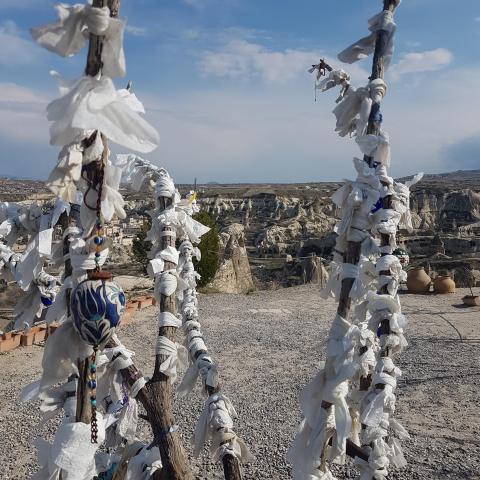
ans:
x=167 y=319
x=177 y=356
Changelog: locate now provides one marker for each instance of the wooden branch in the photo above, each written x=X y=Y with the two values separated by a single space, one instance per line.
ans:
x=93 y=67
x=84 y=410
x=352 y=253
x=231 y=468
x=157 y=395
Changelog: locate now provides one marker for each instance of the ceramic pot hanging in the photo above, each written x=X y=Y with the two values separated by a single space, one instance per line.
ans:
x=444 y=284
x=97 y=305
x=418 y=281
x=402 y=256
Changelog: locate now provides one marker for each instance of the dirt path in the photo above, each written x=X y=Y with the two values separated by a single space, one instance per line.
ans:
x=268 y=345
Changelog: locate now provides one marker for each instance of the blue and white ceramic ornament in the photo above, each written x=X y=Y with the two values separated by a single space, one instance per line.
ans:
x=97 y=305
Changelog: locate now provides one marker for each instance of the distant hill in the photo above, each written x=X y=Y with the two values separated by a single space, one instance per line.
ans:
x=14 y=189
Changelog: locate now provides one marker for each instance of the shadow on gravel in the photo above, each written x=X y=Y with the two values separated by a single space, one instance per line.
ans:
x=420 y=381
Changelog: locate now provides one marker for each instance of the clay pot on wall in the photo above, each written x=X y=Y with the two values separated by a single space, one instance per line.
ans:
x=418 y=281
x=444 y=284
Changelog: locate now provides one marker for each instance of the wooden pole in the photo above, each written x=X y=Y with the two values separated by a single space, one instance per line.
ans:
x=93 y=67
x=157 y=397
x=157 y=394
x=378 y=71
x=352 y=253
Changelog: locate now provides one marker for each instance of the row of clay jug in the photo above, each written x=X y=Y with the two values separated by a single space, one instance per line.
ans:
x=418 y=281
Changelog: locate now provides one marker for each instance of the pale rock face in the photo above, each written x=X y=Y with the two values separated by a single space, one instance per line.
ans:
x=445 y=209
x=233 y=275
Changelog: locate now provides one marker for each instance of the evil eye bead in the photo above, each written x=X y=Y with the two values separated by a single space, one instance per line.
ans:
x=97 y=306
x=46 y=301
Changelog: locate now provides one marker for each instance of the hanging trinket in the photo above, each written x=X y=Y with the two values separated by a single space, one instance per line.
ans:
x=97 y=303
x=403 y=256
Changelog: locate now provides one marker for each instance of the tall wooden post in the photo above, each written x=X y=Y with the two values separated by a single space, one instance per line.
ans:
x=352 y=253
x=93 y=67
x=157 y=395
x=378 y=71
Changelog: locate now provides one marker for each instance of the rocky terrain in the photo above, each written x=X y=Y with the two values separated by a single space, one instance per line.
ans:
x=284 y=224
x=268 y=345
x=297 y=221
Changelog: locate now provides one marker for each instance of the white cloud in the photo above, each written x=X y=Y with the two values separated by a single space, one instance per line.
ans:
x=136 y=31
x=428 y=61
x=22 y=114
x=15 y=49
x=280 y=134
x=242 y=59
x=412 y=43
x=196 y=3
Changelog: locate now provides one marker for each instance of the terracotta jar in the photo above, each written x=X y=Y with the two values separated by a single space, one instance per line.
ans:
x=444 y=284
x=418 y=281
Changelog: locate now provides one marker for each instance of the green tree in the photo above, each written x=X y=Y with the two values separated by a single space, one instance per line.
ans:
x=209 y=246
x=141 y=246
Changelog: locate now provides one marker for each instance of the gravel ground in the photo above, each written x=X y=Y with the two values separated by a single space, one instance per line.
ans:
x=268 y=345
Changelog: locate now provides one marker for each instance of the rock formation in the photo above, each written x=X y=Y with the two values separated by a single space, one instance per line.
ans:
x=233 y=275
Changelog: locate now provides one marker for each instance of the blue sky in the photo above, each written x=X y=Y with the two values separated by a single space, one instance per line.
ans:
x=225 y=82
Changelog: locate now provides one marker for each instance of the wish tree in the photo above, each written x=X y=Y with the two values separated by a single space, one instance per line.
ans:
x=86 y=371
x=348 y=408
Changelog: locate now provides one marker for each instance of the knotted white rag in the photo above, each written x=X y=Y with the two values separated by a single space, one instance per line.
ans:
x=216 y=423
x=72 y=452
x=144 y=464
x=366 y=46
x=177 y=356
x=70 y=33
x=92 y=103
x=203 y=365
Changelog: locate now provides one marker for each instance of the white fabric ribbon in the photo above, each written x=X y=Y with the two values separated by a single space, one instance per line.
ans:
x=167 y=283
x=215 y=424
x=70 y=33
x=366 y=46
x=177 y=356
x=71 y=453
x=376 y=146
x=401 y=200
x=82 y=259
x=92 y=103
x=167 y=319
x=165 y=187
x=203 y=365
x=144 y=464
x=356 y=101
x=62 y=351
x=63 y=178
x=335 y=77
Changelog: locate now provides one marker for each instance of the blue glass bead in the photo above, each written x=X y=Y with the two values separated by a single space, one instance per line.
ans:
x=92 y=384
x=46 y=301
x=377 y=206
x=379 y=331
x=97 y=254
x=93 y=367
x=93 y=402
x=98 y=240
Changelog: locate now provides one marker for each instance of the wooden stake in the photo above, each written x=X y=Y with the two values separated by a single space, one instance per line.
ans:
x=157 y=398
x=352 y=253
x=93 y=67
